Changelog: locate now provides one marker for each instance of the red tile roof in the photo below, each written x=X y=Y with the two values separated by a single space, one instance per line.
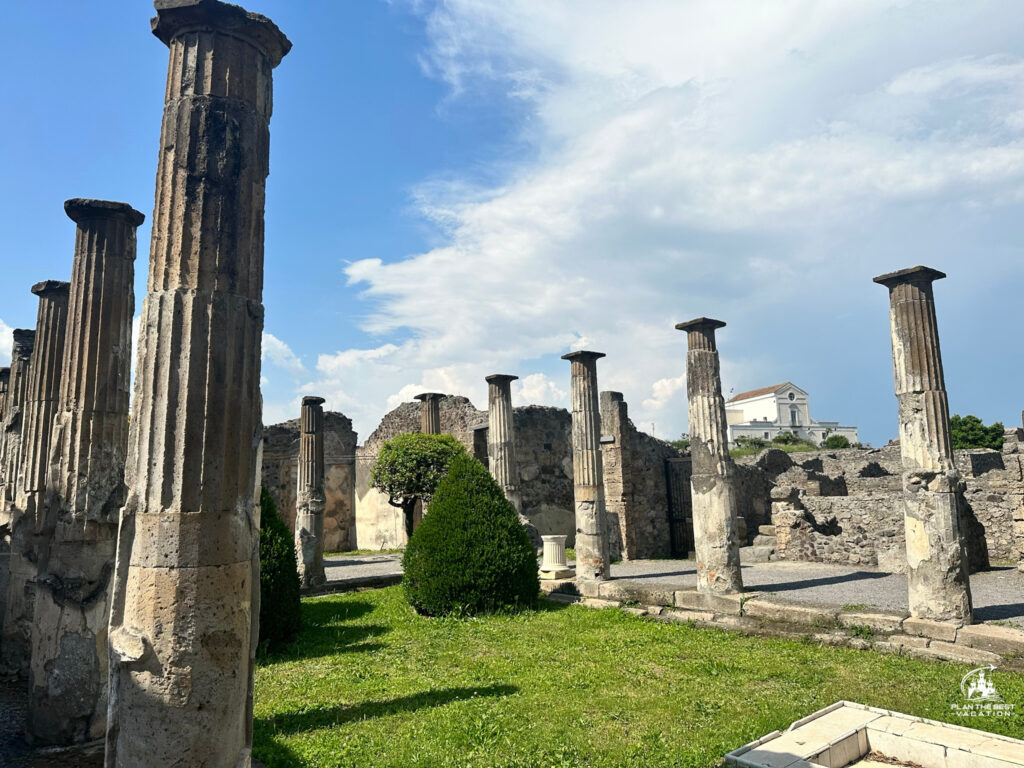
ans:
x=759 y=392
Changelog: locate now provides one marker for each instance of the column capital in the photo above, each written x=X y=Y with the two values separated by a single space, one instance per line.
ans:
x=500 y=378
x=81 y=209
x=177 y=17
x=700 y=333
x=426 y=397
x=700 y=324
x=916 y=274
x=311 y=400
x=583 y=356
x=54 y=288
x=24 y=341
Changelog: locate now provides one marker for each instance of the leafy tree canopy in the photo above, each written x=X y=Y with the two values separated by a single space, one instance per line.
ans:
x=970 y=432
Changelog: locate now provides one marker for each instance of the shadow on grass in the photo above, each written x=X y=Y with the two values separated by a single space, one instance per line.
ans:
x=288 y=723
x=324 y=633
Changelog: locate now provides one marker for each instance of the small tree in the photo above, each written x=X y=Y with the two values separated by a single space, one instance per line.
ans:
x=836 y=442
x=470 y=554
x=786 y=438
x=682 y=444
x=748 y=441
x=970 y=432
x=409 y=468
x=280 y=598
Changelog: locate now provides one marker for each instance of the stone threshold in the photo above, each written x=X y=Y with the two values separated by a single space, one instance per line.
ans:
x=354 y=584
x=763 y=614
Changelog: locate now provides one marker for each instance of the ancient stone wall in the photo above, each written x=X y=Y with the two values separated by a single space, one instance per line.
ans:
x=280 y=476
x=544 y=451
x=850 y=503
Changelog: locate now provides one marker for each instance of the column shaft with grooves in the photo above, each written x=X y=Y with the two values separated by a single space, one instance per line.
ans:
x=715 y=528
x=14 y=416
x=592 y=558
x=40 y=404
x=311 y=501
x=430 y=412
x=186 y=581
x=5 y=383
x=501 y=437
x=937 y=580
x=86 y=486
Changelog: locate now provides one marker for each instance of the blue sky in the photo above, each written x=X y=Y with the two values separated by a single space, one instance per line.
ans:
x=465 y=188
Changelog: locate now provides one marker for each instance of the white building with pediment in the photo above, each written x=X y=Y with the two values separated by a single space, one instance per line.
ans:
x=766 y=412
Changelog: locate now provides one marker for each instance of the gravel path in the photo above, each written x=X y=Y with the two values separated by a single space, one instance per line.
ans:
x=998 y=593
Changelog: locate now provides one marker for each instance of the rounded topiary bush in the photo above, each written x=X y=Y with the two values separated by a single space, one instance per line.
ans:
x=470 y=554
x=280 y=601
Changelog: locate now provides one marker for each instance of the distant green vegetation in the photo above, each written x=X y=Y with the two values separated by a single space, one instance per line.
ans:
x=784 y=441
x=970 y=432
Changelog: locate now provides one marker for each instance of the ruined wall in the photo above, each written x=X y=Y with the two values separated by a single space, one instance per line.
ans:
x=847 y=506
x=280 y=476
x=378 y=524
x=544 y=452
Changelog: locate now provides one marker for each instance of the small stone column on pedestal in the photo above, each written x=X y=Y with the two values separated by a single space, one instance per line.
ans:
x=186 y=580
x=78 y=524
x=592 y=559
x=14 y=416
x=310 y=500
x=41 y=394
x=555 y=565
x=430 y=412
x=937 y=578
x=715 y=527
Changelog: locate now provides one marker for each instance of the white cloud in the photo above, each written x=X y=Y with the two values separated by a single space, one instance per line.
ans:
x=698 y=158
x=538 y=389
x=6 y=343
x=281 y=355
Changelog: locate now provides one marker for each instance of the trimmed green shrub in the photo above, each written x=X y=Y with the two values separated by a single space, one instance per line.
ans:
x=836 y=442
x=470 y=554
x=280 y=601
x=410 y=466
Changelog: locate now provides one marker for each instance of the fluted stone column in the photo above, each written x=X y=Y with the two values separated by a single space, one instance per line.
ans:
x=41 y=394
x=937 y=576
x=592 y=559
x=501 y=437
x=715 y=529
x=5 y=383
x=14 y=416
x=5 y=380
x=430 y=412
x=186 y=589
x=86 y=485
x=311 y=501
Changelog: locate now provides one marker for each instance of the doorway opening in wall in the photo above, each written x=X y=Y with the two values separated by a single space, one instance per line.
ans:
x=680 y=506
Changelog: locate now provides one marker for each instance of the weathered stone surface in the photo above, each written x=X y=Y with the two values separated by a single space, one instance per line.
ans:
x=938 y=649
x=280 y=476
x=501 y=437
x=85 y=491
x=938 y=630
x=430 y=412
x=715 y=530
x=14 y=411
x=990 y=637
x=592 y=556
x=937 y=567
x=636 y=592
x=773 y=609
x=310 y=499
x=182 y=628
x=40 y=404
x=875 y=620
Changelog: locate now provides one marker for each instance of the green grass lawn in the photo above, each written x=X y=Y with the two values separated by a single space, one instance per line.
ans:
x=369 y=683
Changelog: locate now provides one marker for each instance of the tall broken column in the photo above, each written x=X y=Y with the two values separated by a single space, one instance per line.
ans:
x=430 y=412
x=310 y=500
x=501 y=437
x=41 y=394
x=186 y=585
x=937 y=576
x=715 y=527
x=21 y=358
x=5 y=380
x=78 y=524
x=592 y=558
x=5 y=383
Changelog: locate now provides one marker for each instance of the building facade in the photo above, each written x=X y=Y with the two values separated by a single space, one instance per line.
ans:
x=767 y=412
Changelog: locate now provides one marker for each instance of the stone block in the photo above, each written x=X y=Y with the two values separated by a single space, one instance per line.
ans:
x=589 y=588
x=594 y=602
x=938 y=649
x=937 y=630
x=887 y=623
x=634 y=610
x=635 y=592
x=678 y=615
x=791 y=613
x=989 y=637
x=909 y=641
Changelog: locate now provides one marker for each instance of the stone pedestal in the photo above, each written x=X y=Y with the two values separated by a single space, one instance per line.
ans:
x=42 y=391
x=186 y=584
x=86 y=486
x=592 y=559
x=555 y=565
x=310 y=500
x=937 y=563
x=430 y=412
x=715 y=529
